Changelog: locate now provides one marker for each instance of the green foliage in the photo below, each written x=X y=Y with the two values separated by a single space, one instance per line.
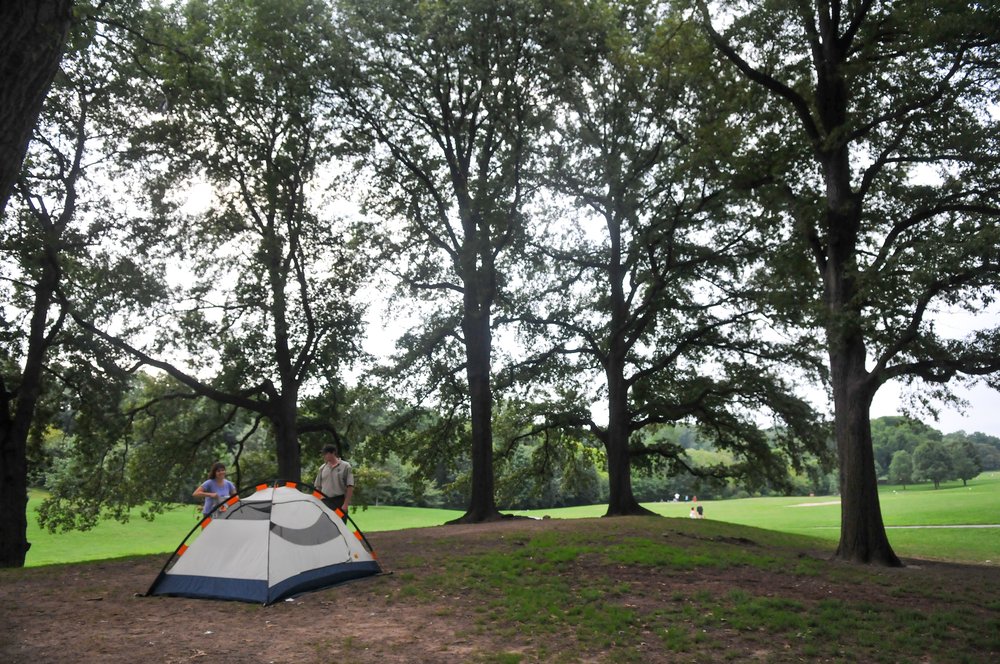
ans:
x=900 y=437
x=161 y=447
x=628 y=286
x=392 y=482
x=932 y=461
x=876 y=161
x=547 y=474
x=447 y=123
x=988 y=456
x=965 y=461
x=425 y=453
x=892 y=434
x=543 y=467
x=901 y=469
x=655 y=479
x=243 y=113
x=61 y=253
x=259 y=317
x=985 y=449
x=681 y=209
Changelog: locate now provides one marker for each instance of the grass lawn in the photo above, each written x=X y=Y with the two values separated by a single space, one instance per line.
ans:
x=111 y=539
x=819 y=516
x=919 y=505
x=631 y=589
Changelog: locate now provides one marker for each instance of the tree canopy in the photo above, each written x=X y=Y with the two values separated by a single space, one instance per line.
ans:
x=876 y=156
x=649 y=270
x=448 y=102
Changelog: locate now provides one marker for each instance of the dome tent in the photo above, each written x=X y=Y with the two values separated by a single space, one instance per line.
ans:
x=277 y=542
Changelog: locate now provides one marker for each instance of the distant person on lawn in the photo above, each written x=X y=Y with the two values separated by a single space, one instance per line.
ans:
x=335 y=480
x=216 y=489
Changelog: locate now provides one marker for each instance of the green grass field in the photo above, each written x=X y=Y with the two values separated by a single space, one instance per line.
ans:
x=918 y=505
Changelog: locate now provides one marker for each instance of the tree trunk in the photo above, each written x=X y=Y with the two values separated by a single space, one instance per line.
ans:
x=286 y=438
x=478 y=349
x=862 y=532
x=32 y=34
x=14 y=543
x=15 y=422
x=621 y=500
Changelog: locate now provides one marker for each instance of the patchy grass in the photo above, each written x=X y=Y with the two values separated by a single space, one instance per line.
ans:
x=708 y=592
x=635 y=589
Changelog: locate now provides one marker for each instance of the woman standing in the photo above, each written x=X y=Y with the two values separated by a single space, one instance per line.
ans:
x=216 y=489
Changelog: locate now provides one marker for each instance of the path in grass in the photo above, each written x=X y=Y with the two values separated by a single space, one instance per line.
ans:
x=969 y=525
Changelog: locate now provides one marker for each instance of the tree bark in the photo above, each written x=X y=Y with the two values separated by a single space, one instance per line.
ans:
x=862 y=531
x=14 y=543
x=478 y=350
x=286 y=437
x=16 y=414
x=621 y=500
x=32 y=35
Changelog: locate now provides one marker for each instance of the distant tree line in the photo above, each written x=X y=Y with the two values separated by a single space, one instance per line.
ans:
x=908 y=451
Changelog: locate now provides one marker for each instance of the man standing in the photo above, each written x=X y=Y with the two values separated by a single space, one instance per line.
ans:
x=335 y=480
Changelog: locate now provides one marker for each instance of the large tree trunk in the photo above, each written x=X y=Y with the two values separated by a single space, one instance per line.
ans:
x=16 y=416
x=862 y=532
x=621 y=500
x=13 y=485
x=32 y=34
x=286 y=438
x=478 y=348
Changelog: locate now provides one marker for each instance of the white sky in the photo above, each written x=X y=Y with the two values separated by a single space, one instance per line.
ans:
x=982 y=414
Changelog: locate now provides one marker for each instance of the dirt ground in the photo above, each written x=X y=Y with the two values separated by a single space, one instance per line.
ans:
x=95 y=612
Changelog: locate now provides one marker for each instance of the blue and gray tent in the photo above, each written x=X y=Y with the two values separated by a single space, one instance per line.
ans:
x=275 y=543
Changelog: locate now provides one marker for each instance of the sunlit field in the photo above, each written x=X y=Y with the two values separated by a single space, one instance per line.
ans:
x=977 y=504
x=910 y=516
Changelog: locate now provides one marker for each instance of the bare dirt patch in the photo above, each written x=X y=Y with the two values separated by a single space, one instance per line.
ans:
x=95 y=612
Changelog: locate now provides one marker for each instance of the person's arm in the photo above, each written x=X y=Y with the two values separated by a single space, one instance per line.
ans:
x=348 y=492
x=201 y=493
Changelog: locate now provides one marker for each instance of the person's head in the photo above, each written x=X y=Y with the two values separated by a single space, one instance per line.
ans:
x=218 y=471
x=330 y=452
